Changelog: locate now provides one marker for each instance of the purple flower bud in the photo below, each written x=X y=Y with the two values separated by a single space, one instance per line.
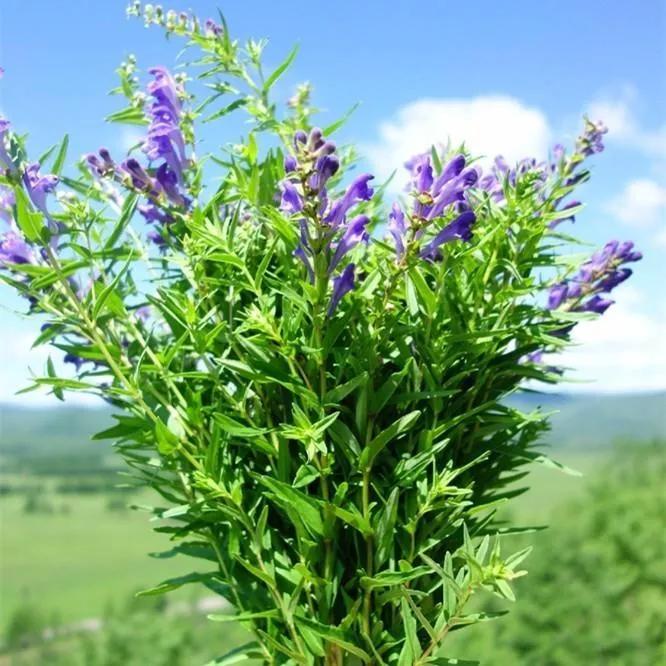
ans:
x=292 y=201
x=613 y=279
x=212 y=29
x=342 y=284
x=74 y=360
x=596 y=304
x=556 y=296
x=300 y=138
x=290 y=164
x=315 y=140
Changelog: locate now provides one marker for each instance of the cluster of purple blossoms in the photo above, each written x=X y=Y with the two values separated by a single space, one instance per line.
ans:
x=587 y=144
x=435 y=195
x=324 y=225
x=163 y=185
x=591 y=141
x=599 y=275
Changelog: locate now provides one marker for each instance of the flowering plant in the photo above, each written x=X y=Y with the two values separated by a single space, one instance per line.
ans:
x=313 y=383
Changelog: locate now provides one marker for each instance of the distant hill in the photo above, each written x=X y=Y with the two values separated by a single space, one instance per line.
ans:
x=597 y=421
x=583 y=421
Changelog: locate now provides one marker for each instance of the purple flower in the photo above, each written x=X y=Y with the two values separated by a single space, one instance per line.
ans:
x=596 y=304
x=157 y=238
x=143 y=313
x=358 y=191
x=290 y=164
x=397 y=228
x=212 y=29
x=556 y=296
x=571 y=204
x=452 y=169
x=139 y=177
x=14 y=250
x=291 y=201
x=600 y=274
x=354 y=234
x=591 y=141
x=164 y=89
x=168 y=181
x=460 y=228
x=39 y=186
x=152 y=213
x=342 y=284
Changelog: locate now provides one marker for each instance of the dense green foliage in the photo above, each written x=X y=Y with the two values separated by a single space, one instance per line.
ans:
x=597 y=583
x=331 y=441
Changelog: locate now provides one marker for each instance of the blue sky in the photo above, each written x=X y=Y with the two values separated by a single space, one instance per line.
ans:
x=511 y=77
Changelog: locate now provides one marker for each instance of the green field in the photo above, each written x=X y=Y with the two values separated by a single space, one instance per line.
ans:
x=72 y=564
x=72 y=557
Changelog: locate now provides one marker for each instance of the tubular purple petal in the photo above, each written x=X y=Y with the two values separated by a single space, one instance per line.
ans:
x=354 y=234
x=342 y=284
x=459 y=229
x=291 y=201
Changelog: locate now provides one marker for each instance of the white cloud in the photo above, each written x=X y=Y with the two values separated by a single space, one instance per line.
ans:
x=489 y=125
x=623 y=350
x=641 y=203
x=618 y=112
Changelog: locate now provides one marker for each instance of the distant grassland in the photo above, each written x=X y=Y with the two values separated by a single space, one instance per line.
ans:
x=73 y=564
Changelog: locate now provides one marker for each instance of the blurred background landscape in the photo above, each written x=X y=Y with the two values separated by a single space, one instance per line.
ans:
x=73 y=553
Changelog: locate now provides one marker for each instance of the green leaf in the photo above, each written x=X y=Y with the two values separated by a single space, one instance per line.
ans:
x=391 y=578
x=335 y=635
x=243 y=617
x=131 y=115
x=340 y=392
x=353 y=518
x=129 y=206
x=385 y=533
x=167 y=442
x=246 y=652
x=59 y=160
x=378 y=443
x=237 y=429
x=427 y=297
x=280 y=69
x=236 y=104
x=306 y=507
x=30 y=223
x=411 y=649
x=179 y=581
